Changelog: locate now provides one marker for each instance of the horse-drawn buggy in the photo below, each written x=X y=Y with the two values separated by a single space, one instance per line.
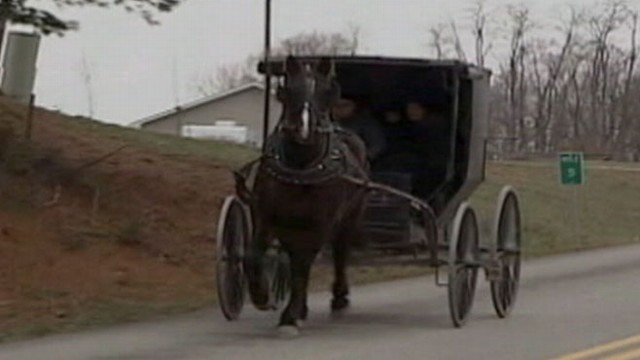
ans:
x=315 y=187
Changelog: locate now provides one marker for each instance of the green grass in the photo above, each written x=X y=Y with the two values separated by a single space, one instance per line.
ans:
x=232 y=154
x=603 y=212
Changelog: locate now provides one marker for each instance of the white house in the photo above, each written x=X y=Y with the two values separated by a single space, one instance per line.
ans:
x=235 y=115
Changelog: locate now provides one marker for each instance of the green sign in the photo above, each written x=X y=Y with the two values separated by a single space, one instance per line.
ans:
x=571 y=168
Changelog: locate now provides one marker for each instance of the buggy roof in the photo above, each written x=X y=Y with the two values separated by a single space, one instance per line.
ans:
x=386 y=83
x=277 y=63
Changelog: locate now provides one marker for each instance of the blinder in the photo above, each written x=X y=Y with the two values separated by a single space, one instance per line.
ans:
x=317 y=99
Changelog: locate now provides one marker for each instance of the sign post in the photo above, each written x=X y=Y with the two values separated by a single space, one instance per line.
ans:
x=572 y=173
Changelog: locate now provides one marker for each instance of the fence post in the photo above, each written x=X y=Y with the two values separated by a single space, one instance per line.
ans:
x=29 y=125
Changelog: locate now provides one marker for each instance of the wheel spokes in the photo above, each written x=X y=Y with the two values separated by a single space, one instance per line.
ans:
x=232 y=236
x=508 y=232
x=463 y=277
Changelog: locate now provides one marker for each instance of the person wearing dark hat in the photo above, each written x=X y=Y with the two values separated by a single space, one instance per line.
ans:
x=350 y=115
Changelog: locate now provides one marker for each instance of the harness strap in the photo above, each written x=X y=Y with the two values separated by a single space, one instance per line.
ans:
x=331 y=164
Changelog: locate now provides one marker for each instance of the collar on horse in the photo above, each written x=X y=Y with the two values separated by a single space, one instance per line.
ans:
x=334 y=161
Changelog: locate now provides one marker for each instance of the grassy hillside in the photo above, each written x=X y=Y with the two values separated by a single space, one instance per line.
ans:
x=130 y=237
x=603 y=212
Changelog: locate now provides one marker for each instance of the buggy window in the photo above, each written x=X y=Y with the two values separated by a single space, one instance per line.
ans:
x=425 y=155
x=388 y=87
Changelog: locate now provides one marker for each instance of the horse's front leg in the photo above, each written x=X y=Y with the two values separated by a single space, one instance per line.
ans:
x=296 y=311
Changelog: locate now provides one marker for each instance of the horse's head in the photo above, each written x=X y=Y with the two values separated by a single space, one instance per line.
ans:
x=307 y=95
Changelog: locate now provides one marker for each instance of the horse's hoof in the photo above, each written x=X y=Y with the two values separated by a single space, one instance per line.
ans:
x=300 y=323
x=261 y=307
x=260 y=299
x=339 y=304
x=288 y=331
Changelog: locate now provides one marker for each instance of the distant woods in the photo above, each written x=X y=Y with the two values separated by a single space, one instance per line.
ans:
x=569 y=81
x=561 y=80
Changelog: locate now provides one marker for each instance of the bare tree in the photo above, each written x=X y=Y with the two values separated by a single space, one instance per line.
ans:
x=548 y=66
x=317 y=43
x=227 y=77
x=516 y=85
x=437 y=40
x=304 y=44
x=455 y=42
x=601 y=26
x=577 y=90
x=632 y=90
x=628 y=97
x=574 y=97
x=479 y=16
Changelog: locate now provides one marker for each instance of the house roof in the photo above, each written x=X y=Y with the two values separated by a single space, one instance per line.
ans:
x=197 y=103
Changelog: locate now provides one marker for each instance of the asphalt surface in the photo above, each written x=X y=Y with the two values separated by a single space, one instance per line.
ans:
x=566 y=304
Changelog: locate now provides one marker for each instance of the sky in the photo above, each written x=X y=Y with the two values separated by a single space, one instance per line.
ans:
x=137 y=70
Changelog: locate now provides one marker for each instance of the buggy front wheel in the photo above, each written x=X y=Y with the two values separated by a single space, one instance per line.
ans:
x=232 y=235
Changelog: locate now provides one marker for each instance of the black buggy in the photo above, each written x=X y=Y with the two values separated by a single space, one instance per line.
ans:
x=408 y=222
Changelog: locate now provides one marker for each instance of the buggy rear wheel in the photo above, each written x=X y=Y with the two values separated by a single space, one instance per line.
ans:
x=463 y=264
x=232 y=235
x=508 y=233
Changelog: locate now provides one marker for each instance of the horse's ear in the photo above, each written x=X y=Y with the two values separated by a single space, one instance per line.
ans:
x=292 y=66
x=325 y=66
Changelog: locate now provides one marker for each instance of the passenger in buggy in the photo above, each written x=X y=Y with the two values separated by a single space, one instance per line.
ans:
x=351 y=115
x=418 y=143
x=429 y=129
x=431 y=144
x=398 y=136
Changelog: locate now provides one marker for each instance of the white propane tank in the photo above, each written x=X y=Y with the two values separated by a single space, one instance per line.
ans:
x=19 y=65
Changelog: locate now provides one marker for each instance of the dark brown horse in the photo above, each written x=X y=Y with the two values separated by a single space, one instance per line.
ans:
x=300 y=197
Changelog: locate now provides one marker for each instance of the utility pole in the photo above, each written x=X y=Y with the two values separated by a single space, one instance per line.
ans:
x=5 y=10
x=267 y=74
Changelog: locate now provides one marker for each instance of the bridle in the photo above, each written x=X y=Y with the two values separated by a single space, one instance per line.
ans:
x=305 y=121
x=314 y=117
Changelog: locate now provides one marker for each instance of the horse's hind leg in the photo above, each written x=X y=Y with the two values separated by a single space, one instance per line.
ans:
x=349 y=234
x=296 y=310
x=340 y=288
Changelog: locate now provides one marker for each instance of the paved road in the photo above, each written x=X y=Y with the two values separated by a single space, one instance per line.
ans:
x=567 y=304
